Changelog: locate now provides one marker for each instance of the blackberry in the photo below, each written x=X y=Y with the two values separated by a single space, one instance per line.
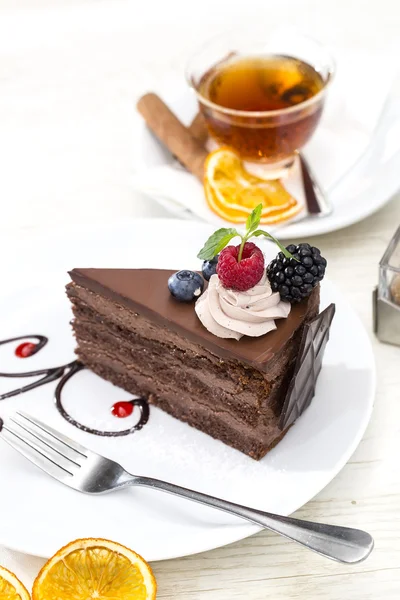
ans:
x=294 y=278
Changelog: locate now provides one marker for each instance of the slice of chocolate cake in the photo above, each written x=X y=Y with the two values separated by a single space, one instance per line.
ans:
x=132 y=332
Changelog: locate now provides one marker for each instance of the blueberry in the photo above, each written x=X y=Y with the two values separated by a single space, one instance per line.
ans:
x=289 y=271
x=314 y=270
x=186 y=286
x=209 y=267
x=296 y=293
x=305 y=252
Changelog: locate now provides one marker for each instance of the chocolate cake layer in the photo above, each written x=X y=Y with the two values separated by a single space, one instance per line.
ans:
x=145 y=291
x=227 y=398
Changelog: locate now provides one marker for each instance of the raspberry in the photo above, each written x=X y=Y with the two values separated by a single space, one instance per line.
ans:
x=241 y=275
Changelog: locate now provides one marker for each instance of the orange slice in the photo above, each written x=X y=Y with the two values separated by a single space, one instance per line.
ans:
x=11 y=588
x=95 y=569
x=232 y=192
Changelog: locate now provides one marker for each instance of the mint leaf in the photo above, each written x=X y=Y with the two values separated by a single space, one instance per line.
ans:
x=253 y=220
x=271 y=237
x=216 y=242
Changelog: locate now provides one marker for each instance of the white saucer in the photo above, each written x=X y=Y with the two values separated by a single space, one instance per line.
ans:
x=40 y=515
x=358 y=180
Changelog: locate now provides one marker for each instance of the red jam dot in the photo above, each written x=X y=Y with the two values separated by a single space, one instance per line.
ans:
x=25 y=350
x=122 y=409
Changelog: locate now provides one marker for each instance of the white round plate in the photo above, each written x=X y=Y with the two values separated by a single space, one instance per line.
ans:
x=39 y=515
x=359 y=171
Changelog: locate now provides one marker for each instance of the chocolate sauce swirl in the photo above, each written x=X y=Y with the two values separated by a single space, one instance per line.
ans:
x=64 y=373
x=141 y=403
x=48 y=374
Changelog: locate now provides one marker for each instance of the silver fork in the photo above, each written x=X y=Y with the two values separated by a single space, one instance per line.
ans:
x=88 y=472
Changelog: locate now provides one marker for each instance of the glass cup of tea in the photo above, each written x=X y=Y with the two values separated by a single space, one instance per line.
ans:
x=262 y=95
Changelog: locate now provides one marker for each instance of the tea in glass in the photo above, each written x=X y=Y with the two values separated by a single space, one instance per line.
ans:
x=263 y=104
x=260 y=83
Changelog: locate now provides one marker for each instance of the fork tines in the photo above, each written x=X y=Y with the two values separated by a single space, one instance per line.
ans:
x=54 y=453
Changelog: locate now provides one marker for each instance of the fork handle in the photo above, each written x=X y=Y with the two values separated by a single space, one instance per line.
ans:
x=342 y=544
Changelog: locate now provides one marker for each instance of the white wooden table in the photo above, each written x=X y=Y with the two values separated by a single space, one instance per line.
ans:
x=69 y=74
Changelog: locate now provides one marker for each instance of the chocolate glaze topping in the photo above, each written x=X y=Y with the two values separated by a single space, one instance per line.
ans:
x=145 y=291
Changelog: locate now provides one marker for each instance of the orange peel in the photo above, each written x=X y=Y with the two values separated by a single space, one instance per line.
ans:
x=95 y=569
x=232 y=192
x=11 y=588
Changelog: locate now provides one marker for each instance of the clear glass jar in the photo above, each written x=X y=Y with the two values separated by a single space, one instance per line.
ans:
x=387 y=294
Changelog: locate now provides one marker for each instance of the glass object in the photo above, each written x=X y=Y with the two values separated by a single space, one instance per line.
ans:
x=387 y=294
x=261 y=95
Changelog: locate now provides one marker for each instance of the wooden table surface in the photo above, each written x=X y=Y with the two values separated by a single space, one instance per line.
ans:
x=57 y=170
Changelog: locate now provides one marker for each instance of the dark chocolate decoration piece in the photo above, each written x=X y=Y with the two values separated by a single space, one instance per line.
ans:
x=308 y=365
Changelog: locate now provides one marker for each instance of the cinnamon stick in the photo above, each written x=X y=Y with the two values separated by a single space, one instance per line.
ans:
x=176 y=137
x=198 y=129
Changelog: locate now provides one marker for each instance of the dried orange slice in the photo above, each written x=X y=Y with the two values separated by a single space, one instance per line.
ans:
x=95 y=569
x=232 y=192
x=11 y=588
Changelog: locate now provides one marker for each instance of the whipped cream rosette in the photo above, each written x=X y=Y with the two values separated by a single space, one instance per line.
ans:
x=229 y=313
